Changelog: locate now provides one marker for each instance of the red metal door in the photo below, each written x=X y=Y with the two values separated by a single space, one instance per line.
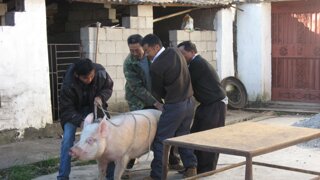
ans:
x=296 y=51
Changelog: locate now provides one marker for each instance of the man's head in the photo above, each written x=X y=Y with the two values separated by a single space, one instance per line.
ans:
x=84 y=70
x=188 y=50
x=151 y=45
x=134 y=43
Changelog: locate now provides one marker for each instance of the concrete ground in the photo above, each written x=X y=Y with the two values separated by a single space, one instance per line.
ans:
x=295 y=156
x=30 y=151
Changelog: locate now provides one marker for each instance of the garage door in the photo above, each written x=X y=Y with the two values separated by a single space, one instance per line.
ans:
x=296 y=51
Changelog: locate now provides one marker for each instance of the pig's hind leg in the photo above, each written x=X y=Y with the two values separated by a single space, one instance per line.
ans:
x=120 y=167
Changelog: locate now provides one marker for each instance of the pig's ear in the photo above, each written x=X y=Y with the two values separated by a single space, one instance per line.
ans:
x=88 y=119
x=103 y=128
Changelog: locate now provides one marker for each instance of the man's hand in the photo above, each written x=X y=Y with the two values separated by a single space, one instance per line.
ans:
x=158 y=105
x=81 y=125
x=97 y=101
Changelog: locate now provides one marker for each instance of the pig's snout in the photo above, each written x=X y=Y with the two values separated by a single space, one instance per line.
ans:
x=75 y=152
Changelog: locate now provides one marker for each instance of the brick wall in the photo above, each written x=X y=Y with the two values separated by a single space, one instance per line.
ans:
x=204 y=40
x=113 y=49
x=81 y=15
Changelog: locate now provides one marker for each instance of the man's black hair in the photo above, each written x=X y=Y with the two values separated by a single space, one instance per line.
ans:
x=83 y=67
x=151 y=40
x=188 y=46
x=135 y=38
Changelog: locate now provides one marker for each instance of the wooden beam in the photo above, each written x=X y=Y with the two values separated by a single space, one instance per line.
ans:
x=3 y=9
x=174 y=14
x=101 y=2
x=286 y=168
x=216 y=171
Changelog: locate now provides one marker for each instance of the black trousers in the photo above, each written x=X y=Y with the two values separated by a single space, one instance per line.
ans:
x=208 y=117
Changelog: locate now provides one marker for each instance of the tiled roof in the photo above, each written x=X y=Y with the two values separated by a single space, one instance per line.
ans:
x=182 y=2
x=166 y=2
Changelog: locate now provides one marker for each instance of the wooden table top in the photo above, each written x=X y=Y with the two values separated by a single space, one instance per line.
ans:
x=246 y=139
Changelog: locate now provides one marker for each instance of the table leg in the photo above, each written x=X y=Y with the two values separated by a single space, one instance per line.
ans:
x=248 y=175
x=165 y=158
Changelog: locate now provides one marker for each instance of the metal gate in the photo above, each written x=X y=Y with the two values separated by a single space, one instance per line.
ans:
x=296 y=51
x=60 y=57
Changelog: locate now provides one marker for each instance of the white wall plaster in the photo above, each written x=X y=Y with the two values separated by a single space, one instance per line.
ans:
x=254 y=49
x=223 y=24
x=24 y=70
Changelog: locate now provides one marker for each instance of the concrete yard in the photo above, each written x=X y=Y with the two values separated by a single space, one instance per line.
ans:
x=295 y=156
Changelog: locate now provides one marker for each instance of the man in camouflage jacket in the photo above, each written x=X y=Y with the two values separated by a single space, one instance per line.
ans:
x=136 y=72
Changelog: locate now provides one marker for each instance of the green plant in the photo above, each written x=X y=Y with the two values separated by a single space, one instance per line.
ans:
x=30 y=171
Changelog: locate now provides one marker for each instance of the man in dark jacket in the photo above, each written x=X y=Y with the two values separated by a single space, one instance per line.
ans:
x=138 y=86
x=170 y=81
x=85 y=84
x=208 y=91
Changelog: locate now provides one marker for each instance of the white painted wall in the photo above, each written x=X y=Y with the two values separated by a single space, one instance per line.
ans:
x=224 y=28
x=254 y=49
x=24 y=71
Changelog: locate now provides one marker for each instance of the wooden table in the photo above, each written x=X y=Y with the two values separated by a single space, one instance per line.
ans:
x=246 y=139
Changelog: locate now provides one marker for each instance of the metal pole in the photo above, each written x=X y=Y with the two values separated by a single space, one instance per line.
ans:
x=98 y=24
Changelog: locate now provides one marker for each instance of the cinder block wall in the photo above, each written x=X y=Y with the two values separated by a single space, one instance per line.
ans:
x=141 y=19
x=204 y=40
x=81 y=15
x=113 y=49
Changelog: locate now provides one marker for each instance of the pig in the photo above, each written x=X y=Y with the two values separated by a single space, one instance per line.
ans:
x=119 y=139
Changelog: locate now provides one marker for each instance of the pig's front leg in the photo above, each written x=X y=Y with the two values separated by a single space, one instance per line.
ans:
x=120 y=167
x=102 y=166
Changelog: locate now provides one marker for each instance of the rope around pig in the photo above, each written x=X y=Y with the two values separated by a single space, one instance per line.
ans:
x=135 y=126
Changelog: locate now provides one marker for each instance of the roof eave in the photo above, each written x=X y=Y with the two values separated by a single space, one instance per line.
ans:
x=166 y=4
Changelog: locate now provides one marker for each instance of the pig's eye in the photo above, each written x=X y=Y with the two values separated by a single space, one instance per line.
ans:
x=90 y=140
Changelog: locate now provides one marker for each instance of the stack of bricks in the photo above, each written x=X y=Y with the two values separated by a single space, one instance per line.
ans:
x=113 y=49
x=111 y=53
x=204 y=40
x=81 y=15
x=140 y=20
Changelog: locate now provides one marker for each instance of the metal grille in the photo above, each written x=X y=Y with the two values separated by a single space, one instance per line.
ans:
x=60 y=57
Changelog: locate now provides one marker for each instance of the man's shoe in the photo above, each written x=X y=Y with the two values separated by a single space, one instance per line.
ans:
x=126 y=175
x=191 y=171
x=148 y=178
x=176 y=167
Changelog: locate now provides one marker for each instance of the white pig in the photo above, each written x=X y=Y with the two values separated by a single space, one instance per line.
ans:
x=118 y=139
